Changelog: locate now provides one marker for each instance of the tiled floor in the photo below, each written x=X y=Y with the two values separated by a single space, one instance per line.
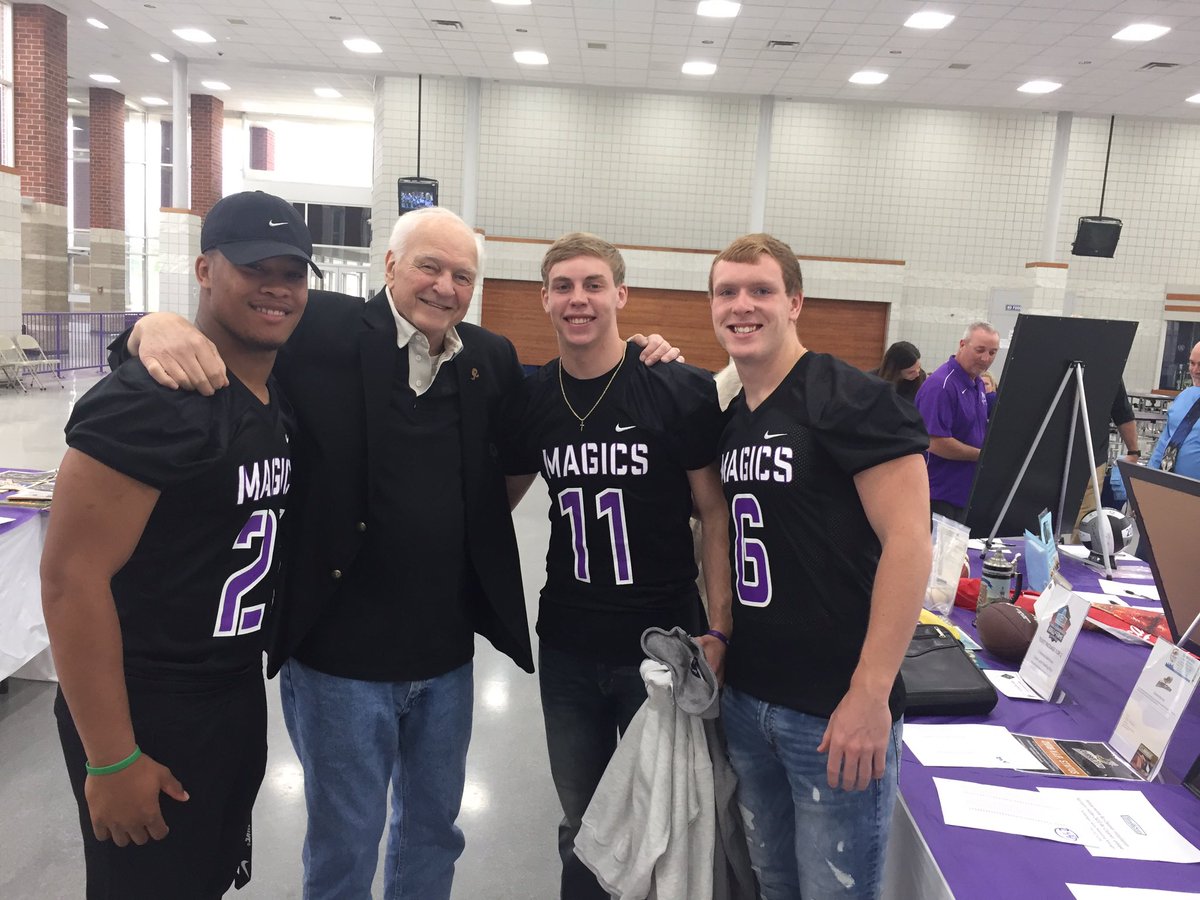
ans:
x=509 y=815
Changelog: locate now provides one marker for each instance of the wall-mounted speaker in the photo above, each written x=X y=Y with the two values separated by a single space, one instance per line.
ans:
x=1096 y=236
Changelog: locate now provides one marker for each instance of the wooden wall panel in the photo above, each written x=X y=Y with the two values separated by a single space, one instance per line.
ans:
x=853 y=330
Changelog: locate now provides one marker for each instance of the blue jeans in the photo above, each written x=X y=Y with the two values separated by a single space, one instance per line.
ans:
x=586 y=705
x=353 y=738
x=806 y=839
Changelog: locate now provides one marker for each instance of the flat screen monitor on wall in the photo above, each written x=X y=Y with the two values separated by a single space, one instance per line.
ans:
x=416 y=193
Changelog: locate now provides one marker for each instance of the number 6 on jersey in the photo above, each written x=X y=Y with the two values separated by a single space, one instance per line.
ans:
x=753 y=569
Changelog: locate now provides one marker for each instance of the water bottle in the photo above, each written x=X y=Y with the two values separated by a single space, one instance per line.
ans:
x=996 y=580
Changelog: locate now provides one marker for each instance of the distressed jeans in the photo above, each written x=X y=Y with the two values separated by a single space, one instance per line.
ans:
x=806 y=839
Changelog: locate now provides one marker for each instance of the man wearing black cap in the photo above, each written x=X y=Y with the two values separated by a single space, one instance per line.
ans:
x=158 y=575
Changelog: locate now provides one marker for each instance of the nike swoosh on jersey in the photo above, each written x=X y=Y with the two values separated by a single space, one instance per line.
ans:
x=767 y=436
x=275 y=224
x=625 y=427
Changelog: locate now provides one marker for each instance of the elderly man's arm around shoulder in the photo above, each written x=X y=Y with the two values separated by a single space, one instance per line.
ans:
x=95 y=524
x=895 y=497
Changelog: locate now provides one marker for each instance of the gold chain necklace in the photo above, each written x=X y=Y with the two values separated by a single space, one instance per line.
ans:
x=562 y=387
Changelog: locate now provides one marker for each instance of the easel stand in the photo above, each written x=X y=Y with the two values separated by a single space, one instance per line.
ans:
x=1106 y=549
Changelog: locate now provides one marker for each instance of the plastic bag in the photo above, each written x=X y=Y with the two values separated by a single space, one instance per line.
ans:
x=949 y=553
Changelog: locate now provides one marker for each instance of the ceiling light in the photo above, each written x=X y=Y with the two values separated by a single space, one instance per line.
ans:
x=1195 y=98
x=215 y=85
x=1141 y=32
x=868 y=77
x=718 y=9
x=929 y=21
x=531 y=57
x=327 y=93
x=512 y=2
x=195 y=35
x=361 y=45
x=1039 y=87
x=96 y=23
x=696 y=67
x=105 y=79
x=154 y=101
x=158 y=57
x=75 y=102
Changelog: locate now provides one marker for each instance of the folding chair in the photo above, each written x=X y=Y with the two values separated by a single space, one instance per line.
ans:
x=33 y=353
x=14 y=365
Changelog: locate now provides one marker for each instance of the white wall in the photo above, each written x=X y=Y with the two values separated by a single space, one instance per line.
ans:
x=960 y=196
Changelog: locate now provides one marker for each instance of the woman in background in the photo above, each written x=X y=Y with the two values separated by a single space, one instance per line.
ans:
x=901 y=366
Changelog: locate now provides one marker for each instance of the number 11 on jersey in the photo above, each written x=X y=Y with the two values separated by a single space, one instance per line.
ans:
x=610 y=504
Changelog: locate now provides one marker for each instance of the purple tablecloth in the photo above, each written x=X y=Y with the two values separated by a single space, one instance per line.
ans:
x=1097 y=681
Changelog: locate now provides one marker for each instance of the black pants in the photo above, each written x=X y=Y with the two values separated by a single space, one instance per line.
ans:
x=212 y=735
x=949 y=510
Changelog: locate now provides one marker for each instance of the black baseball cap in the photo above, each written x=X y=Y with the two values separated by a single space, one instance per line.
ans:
x=255 y=225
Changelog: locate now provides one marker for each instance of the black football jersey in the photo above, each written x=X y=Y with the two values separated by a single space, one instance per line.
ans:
x=802 y=550
x=194 y=595
x=620 y=499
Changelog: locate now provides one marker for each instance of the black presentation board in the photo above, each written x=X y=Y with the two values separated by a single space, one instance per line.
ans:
x=1041 y=352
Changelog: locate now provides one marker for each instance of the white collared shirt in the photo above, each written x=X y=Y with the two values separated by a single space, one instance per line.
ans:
x=422 y=365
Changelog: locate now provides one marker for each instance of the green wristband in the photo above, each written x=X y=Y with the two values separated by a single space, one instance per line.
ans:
x=117 y=766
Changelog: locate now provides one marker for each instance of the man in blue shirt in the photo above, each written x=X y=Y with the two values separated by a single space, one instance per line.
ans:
x=954 y=405
x=1187 y=460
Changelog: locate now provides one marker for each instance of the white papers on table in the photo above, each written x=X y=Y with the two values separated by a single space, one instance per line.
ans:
x=1128 y=825
x=1121 y=589
x=1111 y=824
x=1078 y=551
x=1010 y=684
x=1106 y=892
x=976 y=746
x=1012 y=811
x=4 y=520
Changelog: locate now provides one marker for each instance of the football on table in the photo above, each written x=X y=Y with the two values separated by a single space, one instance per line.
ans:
x=1005 y=630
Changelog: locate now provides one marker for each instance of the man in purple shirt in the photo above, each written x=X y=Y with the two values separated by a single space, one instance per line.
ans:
x=953 y=403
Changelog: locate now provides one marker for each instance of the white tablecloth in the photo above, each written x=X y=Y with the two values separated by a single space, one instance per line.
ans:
x=22 y=629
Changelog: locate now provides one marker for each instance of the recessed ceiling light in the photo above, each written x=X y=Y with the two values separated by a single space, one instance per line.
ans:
x=1039 y=87
x=1195 y=98
x=929 y=21
x=868 y=77
x=75 y=102
x=327 y=93
x=697 y=67
x=195 y=35
x=215 y=85
x=154 y=101
x=158 y=57
x=361 y=45
x=531 y=57
x=718 y=9
x=1141 y=32
x=105 y=79
x=512 y=2
x=96 y=23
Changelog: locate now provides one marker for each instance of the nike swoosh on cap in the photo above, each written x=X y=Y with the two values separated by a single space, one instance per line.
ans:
x=275 y=224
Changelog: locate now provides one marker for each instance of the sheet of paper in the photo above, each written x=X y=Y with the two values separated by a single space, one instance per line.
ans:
x=1078 y=759
x=1129 y=826
x=4 y=520
x=1010 y=684
x=1060 y=615
x=1078 y=551
x=1012 y=811
x=1107 y=892
x=1161 y=694
x=1139 y=591
x=975 y=746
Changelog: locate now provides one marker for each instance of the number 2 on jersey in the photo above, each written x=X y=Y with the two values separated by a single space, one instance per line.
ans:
x=232 y=618
x=610 y=504
x=753 y=576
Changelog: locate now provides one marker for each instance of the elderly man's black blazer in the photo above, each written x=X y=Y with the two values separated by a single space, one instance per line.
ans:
x=337 y=371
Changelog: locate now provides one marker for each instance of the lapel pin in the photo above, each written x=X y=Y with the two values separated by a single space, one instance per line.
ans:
x=474 y=374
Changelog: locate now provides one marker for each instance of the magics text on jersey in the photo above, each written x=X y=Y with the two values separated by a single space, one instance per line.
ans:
x=595 y=459
x=757 y=463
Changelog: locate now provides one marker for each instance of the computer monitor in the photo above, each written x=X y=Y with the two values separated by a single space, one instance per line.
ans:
x=1167 y=507
x=416 y=193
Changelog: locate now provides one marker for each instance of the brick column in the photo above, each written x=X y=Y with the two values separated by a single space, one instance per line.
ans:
x=40 y=144
x=208 y=118
x=262 y=148
x=107 y=255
